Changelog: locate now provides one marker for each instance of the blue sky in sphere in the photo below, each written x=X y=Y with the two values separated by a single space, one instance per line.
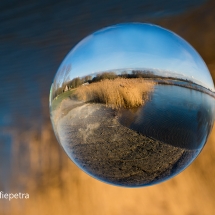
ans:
x=137 y=46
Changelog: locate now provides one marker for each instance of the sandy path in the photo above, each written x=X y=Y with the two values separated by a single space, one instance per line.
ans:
x=97 y=142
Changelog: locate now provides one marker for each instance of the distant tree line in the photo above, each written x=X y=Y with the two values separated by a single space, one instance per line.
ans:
x=76 y=82
x=104 y=75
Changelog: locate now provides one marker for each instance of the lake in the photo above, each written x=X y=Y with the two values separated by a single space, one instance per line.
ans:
x=175 y=115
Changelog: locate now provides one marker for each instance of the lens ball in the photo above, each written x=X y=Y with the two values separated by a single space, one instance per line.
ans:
x=132 y=104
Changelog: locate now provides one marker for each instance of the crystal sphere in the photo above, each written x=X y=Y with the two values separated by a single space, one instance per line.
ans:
x=132 y=104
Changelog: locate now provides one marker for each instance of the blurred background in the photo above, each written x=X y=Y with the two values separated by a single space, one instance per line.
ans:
x=35 y=36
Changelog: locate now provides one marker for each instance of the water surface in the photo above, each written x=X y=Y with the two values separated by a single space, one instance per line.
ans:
x=175 y=115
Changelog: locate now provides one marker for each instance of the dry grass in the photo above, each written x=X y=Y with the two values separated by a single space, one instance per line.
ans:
x=116 y=93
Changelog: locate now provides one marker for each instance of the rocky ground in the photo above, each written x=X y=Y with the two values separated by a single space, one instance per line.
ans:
x=98 y=143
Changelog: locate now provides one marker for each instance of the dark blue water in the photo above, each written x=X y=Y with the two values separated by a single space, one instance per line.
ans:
x=175 y=115
x=36 y=35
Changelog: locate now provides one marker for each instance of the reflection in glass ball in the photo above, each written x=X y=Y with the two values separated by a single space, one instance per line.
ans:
x=132 y=104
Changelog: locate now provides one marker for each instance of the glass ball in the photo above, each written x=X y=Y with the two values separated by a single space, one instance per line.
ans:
x=132 y=104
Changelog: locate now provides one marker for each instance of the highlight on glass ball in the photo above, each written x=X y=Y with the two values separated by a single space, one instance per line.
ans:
x=132 y=104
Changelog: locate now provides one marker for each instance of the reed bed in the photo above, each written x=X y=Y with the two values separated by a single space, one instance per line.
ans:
x=117 y=93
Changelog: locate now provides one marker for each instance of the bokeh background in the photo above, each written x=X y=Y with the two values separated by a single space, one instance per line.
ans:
x=35 y=36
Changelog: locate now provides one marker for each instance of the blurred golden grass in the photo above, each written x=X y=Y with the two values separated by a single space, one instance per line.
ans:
x=56 y=186
x=117 y=93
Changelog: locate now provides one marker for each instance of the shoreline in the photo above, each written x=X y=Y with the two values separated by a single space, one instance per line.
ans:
x=185 y=84
x=163 y=81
